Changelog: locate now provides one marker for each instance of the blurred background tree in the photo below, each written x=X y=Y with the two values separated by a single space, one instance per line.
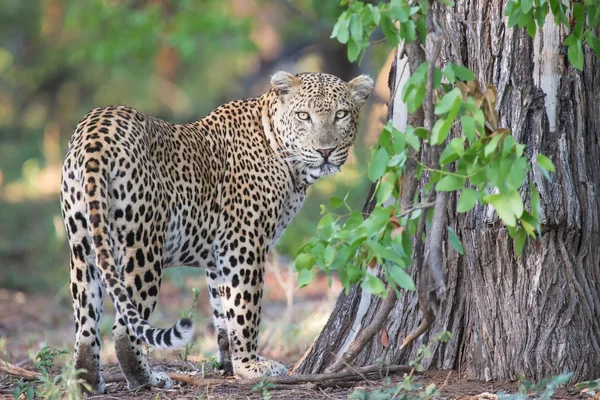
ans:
x=173 y=59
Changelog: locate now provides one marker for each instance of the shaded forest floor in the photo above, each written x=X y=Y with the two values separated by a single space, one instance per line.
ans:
x=31 y=321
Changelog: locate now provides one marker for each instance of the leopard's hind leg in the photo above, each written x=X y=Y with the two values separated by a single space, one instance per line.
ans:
x=141 y=247
x=143 y=286
x=87 y=290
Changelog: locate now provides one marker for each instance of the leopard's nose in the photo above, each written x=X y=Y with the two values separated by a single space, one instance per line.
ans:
x=325 y=152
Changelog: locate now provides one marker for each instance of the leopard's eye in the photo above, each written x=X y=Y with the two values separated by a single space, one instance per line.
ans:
x=341 y=114
x=304 y=116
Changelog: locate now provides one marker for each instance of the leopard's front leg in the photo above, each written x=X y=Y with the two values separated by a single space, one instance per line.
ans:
x=241 y=271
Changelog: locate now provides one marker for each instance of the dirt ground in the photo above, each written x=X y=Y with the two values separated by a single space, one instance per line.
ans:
x=293 y=318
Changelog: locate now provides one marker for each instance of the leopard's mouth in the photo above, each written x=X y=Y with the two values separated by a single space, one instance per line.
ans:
x=328 y=168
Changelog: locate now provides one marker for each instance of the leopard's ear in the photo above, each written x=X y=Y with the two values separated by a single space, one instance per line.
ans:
x=360 y=88
x=284 y=82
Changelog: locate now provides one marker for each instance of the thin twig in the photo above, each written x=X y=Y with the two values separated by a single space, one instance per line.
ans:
x=430 y=269
x=445 y=381
x=417 y=207
x=396 y=77
x=366 y=333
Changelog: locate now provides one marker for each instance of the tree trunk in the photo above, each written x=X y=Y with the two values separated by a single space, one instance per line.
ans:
x=537 y=314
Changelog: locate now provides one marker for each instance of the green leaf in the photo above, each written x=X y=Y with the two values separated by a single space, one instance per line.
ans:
x=335 y=202
x=575 y=55
x=401 y=278
x=415 y=98
x=407 y=31
x=377 y=220
x=455 y=241
x=328 y=254
x=518 y=171
x=397 y=160
x=341 y=30
x=439 y=133
x=305 y=277
x=354 y=220
x=508 y=206
x=492 y=145
x=304 y=262
x=516 y=203
x=448 y=3
x=378 y=164
x=468 y=199
x=353 y=50
x=449 y=73
x=458 y=146
x=422 y=27
x=513 y=19
x=373 y=285
x=531 y=28
x=411 y=138
x=520 y=241
x=545 y=163
x=526 y=5
x=389 y=30
x=356 y=30
x=594 y=42
x=327 y=220
x=448 y=101
x=399 y=13
x=468 y=126
x=447 y=156
x=450 y=183
x=540 y=15
x=375 y=14
x=463 y=73
x=422 y=132
x=386 y=186
x=399 y=143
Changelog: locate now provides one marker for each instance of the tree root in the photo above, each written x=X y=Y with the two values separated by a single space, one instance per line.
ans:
x=353 y=374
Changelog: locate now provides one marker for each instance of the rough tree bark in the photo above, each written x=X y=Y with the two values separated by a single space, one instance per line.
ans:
x=537 y=314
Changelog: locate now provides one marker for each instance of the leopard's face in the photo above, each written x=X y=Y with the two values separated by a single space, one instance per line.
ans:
x=317 y=118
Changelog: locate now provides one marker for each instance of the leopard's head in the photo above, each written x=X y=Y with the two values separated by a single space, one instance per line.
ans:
x=316 y=118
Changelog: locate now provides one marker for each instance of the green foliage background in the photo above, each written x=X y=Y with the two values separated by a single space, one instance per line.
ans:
x=176 y=60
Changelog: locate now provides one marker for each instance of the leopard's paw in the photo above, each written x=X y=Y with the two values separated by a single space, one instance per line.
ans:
x=258 y=369
x=161 y=380
x=154 y=379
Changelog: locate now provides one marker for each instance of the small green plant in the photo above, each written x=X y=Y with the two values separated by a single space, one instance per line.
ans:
x=23 y=388
x=543 y=390
x=190 y=314
x=48 y=387
x=591 y=387
x=67 y=382
x=211 y=363
x=45 y=358
x=408 y=388
x=263 y=388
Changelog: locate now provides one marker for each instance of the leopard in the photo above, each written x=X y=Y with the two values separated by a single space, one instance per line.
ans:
x=139 y=195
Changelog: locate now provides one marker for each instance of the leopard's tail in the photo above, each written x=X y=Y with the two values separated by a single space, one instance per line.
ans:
x=95 y=181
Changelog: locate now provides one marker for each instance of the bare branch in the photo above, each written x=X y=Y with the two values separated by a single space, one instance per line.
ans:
x=14 y=370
